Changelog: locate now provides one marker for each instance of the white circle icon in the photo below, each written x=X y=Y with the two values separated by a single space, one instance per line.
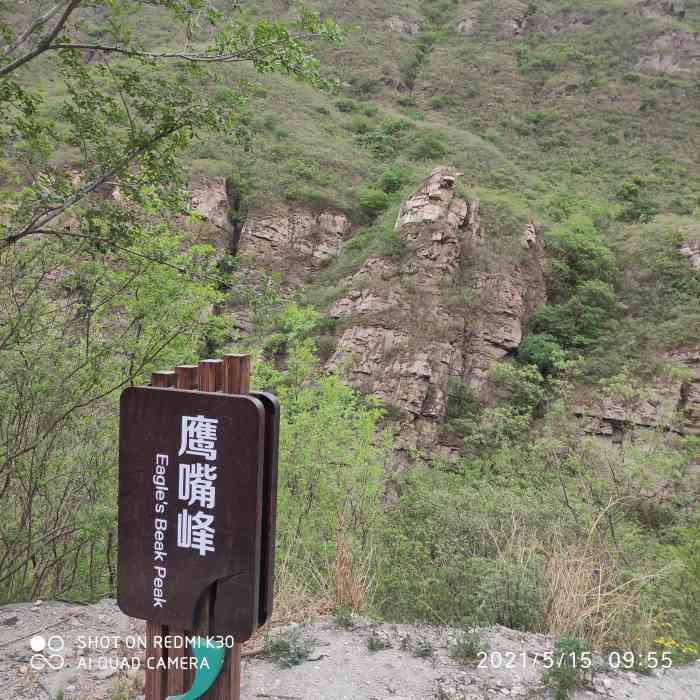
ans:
x=37 y=643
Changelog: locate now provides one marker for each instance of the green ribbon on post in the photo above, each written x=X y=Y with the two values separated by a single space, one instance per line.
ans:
x=206 y=673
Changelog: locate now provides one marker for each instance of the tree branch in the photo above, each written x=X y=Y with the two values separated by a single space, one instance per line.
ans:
x=152 y=56
x=36 y=24
x=143 y=256
x=44 y=44
x=41 y=220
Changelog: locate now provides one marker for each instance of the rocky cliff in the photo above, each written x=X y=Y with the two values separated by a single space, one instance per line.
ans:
x=450 y=303
x=449 y=307
x=453 y=300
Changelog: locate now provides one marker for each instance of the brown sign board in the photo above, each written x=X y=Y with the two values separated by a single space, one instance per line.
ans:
x=196 y=478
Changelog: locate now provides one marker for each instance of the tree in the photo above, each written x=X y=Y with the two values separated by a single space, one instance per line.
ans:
x=130 y=111
x=97 y=288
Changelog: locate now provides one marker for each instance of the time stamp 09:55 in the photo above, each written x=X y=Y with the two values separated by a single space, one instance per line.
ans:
x=615 y=660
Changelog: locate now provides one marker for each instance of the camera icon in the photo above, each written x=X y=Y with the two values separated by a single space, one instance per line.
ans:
x=53 y=659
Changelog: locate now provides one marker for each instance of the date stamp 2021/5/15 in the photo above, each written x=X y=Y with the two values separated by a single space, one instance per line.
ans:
x=583 y=660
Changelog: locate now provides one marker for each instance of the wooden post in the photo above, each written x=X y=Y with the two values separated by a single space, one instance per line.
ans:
x=157 y=678
x=232 y=375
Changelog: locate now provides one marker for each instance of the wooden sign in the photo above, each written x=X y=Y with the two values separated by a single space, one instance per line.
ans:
x=195 y=491
x=269 y=511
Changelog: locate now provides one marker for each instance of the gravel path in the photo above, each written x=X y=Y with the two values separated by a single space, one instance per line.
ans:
x=97 y=662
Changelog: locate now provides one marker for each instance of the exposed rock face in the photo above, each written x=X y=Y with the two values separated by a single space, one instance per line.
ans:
x=670 y=406
x=212 y=203
x=662 y=8
x=692 y=252
x=512 y=27
x=563 y=22
x=689 y=400
x=675 y=51
x=449 y=308
x=466 y=25
x=406 y=27
x=468 y=18
x=292 y=240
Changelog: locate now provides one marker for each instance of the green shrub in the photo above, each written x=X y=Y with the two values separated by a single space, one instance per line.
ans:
x=428 y=147
x=522 y=387
x=423 y=648
x=638 y=205
x=387 y=139
x=372 y=202
x=360 y=125
x=392 y=180
x=302 y=170
x=369 y=110
x=437 y=560
x=225 y=96
x=493 y=135
x=290 y=648
x=578 y=322
x=347 y=106
x=508 y=595
x=466 y=646
x=392 y=244
x=567 y=672
x=577 y=253
x=342 y=617
x=378 y=641
x=543 y=351
x=460 y=399
x=545 y=58
x=440 y=102
x=364 y=87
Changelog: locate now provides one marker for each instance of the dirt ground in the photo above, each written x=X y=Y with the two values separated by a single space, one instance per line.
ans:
x=96 y=661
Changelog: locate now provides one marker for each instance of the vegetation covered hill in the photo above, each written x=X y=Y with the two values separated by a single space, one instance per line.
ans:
x=528 y=458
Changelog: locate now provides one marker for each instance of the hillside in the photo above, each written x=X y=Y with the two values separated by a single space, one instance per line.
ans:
x=465 y=256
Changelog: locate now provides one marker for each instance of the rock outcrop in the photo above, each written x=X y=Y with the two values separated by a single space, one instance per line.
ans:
x=675 y=52
x=662 y=8
x=691 y=251
x=211 y=202
x=671 y=406
x=292 y=240
x=405 y=27
x=451 y=306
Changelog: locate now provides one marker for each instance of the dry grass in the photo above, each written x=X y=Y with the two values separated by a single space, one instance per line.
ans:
x=583 y=589
x=350 y=577
x=588 y=595
x=344 y=581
